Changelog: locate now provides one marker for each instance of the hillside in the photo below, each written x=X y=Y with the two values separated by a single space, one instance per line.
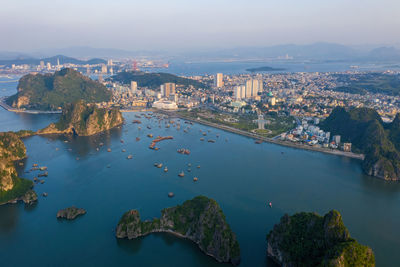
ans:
x=154 y=80
x=379 y=142
x=388 y=84
x=50 y=91
x=200 y=220
x=13 y=188
x=307 y=239
x=84 y=119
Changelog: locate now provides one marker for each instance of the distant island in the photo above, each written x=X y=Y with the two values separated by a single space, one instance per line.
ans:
x=83 y=120
x=200 y=220
x=307 y=239
x=154 y=80
x=51 y=91
x=265 y=68
x=380 y=142
x=12 y=187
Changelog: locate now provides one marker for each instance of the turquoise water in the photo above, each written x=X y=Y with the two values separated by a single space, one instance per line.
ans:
x=242 y=176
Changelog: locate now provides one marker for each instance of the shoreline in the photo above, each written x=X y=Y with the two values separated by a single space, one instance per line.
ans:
x=266 y=139
x=4 y=105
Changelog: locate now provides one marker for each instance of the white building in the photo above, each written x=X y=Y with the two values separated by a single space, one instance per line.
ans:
x=165 y=104
x=219 y=80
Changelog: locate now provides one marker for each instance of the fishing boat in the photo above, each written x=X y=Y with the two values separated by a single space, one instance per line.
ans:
x=150 y=135
x=211 y=141
x=195 y=179
x=170 y=194
x=270 y=204
x=159 y=165
x=129 y=157
x=165 y=169
x=181 y=174
x=108 y=149
x=137 y=139
x=202 y=139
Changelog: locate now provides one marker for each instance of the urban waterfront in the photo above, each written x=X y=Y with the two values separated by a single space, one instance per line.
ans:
x=242 y=176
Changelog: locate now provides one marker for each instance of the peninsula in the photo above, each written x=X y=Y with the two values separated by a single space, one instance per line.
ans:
x=307 y=239
x=13 y=188
x=200 y=220
x=53 y=91
x=84 y=120
x=379 y=141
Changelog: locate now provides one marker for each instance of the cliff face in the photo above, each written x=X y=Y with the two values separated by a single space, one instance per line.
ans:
x=200 y=220
x=50 y=91
x=12 y=188
x=84 y=120
x=307 y=239
x=378 y=141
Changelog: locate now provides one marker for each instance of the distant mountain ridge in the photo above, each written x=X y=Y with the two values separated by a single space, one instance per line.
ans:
x=52 y=60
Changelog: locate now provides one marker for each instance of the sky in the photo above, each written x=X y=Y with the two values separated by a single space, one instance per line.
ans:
x=28 y=25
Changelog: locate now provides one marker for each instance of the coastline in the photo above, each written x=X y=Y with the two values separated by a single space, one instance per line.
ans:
x=4 y=105
x=266 y=139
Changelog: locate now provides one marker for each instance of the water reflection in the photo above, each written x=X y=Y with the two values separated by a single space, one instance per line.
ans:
x=131 y=246
x=9 y=218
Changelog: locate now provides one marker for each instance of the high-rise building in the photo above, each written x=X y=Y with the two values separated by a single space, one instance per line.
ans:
x=219 y=80
x=109 y=62
x=133 y=87
x=48 y=65
x=239 y=92
x=253 y=87
x=41 y=64
x=103 y=69
x=169 y=88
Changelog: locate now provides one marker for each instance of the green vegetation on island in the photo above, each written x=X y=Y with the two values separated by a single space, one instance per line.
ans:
x=84 y=119
x=380 y=142
x=154 y=80
x=51 y=91
x=13 y=188
x=200 y=220
x=369 y=83
x=308 y=239
x=265 y=68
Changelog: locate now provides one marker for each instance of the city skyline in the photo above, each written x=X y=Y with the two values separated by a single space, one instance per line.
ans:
x=177 y=24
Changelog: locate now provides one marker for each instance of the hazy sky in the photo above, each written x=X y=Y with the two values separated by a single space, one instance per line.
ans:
x=164 y=24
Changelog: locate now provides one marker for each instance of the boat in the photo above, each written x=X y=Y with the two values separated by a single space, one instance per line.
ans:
x=204 y=134
x=195 y=179
x=150 y=135
x=259 y=141
x=123 y=150
x=270 y=204
x=148 y=127
x=43 y=174
x=198 y=166
x=44 y=194
x=139 y=128
x=170 y=194
x=159 y=165
x=211 y=141
x=35 y=179
x=108 y=149
x=44 y=168
x=189 y=170
x=35 y=165
x=122 y=141
x=165 y=169
x=202 y=139
x=129 y=157
x=137 y=139
x=189 y=164
x=183 y=151
x=101 y=144
x=181 y=174
x=108 y=166
x=42 y=181
x=77 y=158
